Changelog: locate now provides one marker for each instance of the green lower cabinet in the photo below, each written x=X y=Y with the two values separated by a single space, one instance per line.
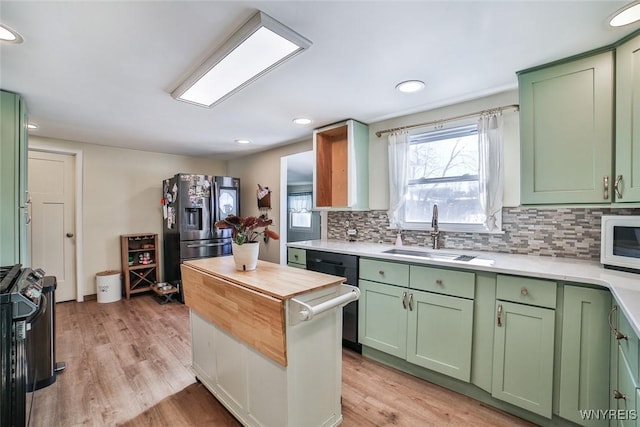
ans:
x=382 y=317
x=440 y=331
x=430 y=330
x=293 y=264
x=523 y=356
x=625 y=393
x=585 y=354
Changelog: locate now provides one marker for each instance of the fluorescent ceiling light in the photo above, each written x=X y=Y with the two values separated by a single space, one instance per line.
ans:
x=32 y=126
x=260 y=45
x=410 y=86
x=302 y=121
x=628 y=14
x=9 y=35
x=243 y=141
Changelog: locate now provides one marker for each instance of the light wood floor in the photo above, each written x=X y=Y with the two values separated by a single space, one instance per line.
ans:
x=128 y=363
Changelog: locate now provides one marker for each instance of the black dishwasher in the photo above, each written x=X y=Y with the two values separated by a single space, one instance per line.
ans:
x=345 y=266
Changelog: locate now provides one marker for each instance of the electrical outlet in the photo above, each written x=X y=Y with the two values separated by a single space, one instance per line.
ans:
x=352 y=232
x=346 y=224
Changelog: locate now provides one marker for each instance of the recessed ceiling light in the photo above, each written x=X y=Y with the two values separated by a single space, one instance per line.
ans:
x=242 y=141
x=628 y=14
x=32 y=126
x=410 y=86
x=302 y=121
x=9 y=35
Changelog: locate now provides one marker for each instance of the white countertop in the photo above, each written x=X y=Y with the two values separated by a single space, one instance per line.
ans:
x=625 y=287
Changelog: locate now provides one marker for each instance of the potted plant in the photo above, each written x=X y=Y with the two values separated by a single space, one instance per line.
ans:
x=244 y=233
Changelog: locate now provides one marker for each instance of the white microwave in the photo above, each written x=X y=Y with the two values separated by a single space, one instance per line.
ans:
x=620 y=242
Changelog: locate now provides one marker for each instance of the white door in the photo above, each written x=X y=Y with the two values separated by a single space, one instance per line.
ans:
x=52 y=191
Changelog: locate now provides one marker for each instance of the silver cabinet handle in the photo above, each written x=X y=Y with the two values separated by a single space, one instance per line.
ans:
x=69 y=235
x=439 y=282
x=381 y=272
x=524 y=292
x=619 y=335
x=404 y=300
x=500 y=315
x=295 y=256
x=618 y=395
x=616 y=186
x=606 y=188
x=410 y=302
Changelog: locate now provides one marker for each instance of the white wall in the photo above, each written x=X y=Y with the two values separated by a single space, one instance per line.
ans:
x=122 y=192
x=264 y=168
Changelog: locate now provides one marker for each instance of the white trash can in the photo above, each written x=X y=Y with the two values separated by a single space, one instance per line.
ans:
x=109 y=286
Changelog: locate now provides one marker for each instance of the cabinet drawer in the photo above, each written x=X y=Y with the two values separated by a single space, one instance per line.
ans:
x=442 y=281
x=384 y=272
x=527 y=291
x=297 y=256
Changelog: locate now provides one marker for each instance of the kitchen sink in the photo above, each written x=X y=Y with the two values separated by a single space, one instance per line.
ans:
x=430 y=255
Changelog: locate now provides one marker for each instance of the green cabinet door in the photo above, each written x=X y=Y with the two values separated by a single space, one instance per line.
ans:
x=523 y=356
x=585 y=353
x=625 y=393
x=382 y=317
x=566 y=131
x=13 y=179
x=439 y=333
x=628 y=121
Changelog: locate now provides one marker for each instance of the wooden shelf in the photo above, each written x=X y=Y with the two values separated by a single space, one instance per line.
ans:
x=139 y=277
x=341 y=171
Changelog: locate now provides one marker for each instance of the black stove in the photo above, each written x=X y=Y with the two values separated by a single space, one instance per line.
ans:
x=20 y=301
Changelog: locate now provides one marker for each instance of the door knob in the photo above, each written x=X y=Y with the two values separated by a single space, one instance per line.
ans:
x=69 y=234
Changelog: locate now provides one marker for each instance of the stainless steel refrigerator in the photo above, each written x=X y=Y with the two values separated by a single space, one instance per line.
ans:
x=191 y=206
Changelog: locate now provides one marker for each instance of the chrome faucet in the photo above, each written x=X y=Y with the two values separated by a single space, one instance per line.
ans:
x=435 y=234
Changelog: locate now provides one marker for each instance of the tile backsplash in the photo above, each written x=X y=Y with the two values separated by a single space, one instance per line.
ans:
x=559 y=232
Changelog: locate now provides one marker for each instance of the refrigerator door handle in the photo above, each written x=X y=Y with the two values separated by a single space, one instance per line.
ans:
x=205 y=245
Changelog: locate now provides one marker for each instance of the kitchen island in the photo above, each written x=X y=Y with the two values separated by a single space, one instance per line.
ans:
x=267 y=343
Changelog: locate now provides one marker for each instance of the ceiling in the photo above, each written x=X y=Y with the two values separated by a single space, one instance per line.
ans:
x=102 y=72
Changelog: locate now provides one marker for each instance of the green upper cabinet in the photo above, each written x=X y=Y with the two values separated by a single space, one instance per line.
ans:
x=566 y=131
x=13 y=179
x=585 y=354
x=341 y=168
x=627 y=176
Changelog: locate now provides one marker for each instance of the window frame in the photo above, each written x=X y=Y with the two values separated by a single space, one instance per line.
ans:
x=433 y=134
x=290 y=212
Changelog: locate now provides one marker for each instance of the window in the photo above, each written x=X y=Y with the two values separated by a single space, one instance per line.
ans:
x=457 y=168
x=444 y=170
x=300 y=210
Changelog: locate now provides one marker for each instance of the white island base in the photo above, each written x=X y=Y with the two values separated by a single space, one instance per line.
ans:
x=261 y=392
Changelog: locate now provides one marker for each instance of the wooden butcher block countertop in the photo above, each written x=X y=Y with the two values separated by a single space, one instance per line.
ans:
x=278 y=281
x=249 y=305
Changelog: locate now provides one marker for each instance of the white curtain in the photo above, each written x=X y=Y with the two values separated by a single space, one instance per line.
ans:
x=398 y=175
x=491 y=169
x=300 y=202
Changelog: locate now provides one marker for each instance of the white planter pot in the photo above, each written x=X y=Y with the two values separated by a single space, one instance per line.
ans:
x=245 y=255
